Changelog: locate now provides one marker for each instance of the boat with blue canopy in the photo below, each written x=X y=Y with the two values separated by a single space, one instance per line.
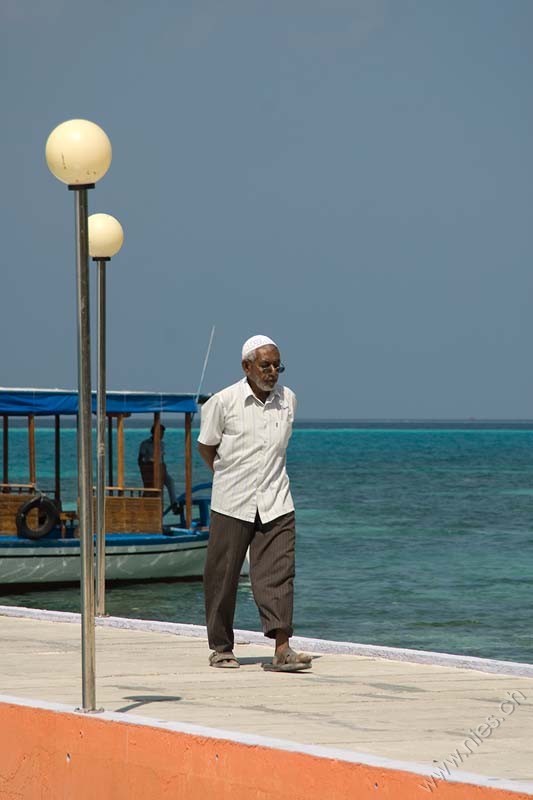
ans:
x=39 y=539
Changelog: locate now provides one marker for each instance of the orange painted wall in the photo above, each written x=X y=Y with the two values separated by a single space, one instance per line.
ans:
x=49 y=755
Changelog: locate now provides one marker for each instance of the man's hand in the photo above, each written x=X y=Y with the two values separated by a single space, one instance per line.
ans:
x=208 y=453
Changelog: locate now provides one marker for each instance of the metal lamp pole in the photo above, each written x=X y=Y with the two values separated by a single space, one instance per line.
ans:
x=85 y=466
x=105 y=240
x=100 y=441
x=75 y=151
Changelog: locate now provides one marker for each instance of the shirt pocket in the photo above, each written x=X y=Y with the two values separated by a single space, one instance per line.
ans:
x=232 y=425
x=284 y=425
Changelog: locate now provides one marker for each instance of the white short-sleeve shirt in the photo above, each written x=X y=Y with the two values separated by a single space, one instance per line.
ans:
x=249 y=470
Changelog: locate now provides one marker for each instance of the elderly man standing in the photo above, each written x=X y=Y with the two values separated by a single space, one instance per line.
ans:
x=243 y=438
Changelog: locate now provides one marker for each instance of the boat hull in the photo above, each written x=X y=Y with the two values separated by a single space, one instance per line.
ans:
x=181 y=554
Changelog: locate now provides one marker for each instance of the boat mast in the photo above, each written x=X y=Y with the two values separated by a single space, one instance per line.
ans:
x=188 y=469
x=57 y=491
x=120 y=454
x=157 y=452
x=110 y=449
x=6 y=450
x=31 y=449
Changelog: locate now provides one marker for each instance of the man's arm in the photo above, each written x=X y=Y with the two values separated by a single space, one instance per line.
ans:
x=211 y=430
x=208 y=453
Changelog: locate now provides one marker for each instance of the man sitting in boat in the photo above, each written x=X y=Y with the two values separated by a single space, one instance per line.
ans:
x=145 y=461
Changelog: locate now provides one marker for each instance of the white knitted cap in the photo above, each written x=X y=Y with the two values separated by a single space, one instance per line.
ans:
x=253 y=343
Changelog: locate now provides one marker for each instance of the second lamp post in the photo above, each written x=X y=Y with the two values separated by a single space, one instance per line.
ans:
x=105 y=240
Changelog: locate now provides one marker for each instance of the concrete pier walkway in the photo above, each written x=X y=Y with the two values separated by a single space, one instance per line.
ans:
x=449 y=719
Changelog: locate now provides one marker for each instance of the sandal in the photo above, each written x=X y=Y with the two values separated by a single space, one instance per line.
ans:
x=223 y=660
x=289 y=661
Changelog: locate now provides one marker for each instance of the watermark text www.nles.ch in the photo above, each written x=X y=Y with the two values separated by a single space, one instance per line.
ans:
x=474 y=740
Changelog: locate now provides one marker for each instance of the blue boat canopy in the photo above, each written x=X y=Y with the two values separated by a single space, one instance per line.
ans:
x=49 y=402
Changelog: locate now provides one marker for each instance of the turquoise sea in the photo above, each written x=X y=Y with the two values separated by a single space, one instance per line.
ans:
x=409 y=534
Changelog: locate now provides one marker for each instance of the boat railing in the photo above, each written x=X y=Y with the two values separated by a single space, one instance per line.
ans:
x=131 y=491
x=17 y=488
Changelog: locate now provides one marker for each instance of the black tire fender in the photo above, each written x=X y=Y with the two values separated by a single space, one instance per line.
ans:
x=48 y=518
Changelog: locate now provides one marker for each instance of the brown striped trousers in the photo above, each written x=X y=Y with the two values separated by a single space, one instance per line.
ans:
x=271 y=574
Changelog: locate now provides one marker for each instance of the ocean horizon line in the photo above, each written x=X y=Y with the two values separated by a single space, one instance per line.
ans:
x=176 y=421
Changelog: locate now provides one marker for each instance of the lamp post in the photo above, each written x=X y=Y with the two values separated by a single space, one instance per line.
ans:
x=78 y=153
x=105 y=240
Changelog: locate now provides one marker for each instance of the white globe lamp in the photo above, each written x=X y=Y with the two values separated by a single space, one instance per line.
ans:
x=105 y=236
x=78 y=152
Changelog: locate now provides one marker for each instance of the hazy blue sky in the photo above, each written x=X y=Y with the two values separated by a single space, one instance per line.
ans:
x=353 y=178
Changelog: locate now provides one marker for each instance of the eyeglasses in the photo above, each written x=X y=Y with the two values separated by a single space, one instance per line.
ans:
x=279 y=368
